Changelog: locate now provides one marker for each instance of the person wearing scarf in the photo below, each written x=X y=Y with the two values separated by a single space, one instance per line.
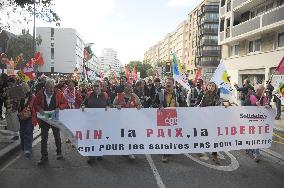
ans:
x=210 y=98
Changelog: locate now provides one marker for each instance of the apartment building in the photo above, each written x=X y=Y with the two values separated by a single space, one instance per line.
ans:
x=251 y=33
x=195 y=41
x=62 y=50
x=109 y=59
x=207 y=49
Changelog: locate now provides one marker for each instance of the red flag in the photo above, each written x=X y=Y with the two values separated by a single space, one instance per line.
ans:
x=29 y=69
x=102 y=75
x=114 y=76
x=280 y=67
x=38 y=59
x=197 y=76
x=134 y=73
x=127 y=73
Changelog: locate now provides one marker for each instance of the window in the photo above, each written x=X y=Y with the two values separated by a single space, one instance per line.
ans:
x=234 y=50
x=229 y=6
x=52 y=32
x=52 y=44
x=52 y=53
x=254 y=46
x=52 y=69
x=281 y=39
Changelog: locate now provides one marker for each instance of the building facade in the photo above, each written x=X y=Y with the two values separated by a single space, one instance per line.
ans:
x=252 y=37
x=62 y=50
x=207 y=50
x=195 y=41
x=109 y=60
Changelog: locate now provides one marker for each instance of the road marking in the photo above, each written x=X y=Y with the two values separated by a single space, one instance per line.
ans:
x=35 y=142
x=233 y=166
x=155 y=172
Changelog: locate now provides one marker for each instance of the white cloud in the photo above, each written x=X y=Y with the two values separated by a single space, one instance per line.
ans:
x=182 y=3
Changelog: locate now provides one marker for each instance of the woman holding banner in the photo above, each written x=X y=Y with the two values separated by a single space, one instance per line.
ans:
x=257 y=99
x=210 y=98
x=127 y=99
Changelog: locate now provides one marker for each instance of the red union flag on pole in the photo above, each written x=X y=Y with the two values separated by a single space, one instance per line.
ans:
x=38 y=59
x=280 y=67
x=28 y=70
x=134 y=73
x=198 y=75
x=127 y=73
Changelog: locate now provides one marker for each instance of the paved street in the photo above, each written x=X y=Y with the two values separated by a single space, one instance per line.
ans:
x=236 y=170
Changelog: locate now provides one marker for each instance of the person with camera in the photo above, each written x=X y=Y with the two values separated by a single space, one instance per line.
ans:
x=194 y=93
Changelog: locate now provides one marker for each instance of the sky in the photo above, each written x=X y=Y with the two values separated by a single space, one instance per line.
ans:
x=130 y=27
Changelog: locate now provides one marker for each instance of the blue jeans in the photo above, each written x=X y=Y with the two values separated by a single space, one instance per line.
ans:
x=26 y=134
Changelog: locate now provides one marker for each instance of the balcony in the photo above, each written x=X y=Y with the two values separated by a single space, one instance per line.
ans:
x=207 y=63
x=209 y=42
x=246 y=27
x=273 y=16
x=237 y=3
x=260 y=22
x=211 y=8
x=209 y=53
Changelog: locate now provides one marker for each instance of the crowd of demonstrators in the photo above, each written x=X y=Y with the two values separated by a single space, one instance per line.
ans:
x=57 y=93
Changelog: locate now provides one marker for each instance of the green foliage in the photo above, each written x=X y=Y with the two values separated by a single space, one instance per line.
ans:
x=21 y=44
x=145 y=69
x=19 y=11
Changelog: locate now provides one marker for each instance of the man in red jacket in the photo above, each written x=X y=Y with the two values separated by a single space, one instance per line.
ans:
x=49 y=99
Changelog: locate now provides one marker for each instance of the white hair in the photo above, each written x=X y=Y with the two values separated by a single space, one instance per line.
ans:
x=50 y=83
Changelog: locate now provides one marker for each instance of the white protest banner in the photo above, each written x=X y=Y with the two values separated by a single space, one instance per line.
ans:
x=171 y=131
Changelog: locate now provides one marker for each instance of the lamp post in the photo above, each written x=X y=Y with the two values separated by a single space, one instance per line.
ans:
x=34 y=38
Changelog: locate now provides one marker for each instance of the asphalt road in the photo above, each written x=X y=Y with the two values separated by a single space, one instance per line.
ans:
x=236 y=170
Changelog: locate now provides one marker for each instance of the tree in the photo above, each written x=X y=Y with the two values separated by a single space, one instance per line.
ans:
x=145 y=69
x=19 y=11
x=21 y=44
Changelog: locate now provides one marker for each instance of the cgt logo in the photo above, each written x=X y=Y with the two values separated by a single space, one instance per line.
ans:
x=167 y=117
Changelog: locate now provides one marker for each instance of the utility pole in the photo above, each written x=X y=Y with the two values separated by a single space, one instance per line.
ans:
x=34 y=40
